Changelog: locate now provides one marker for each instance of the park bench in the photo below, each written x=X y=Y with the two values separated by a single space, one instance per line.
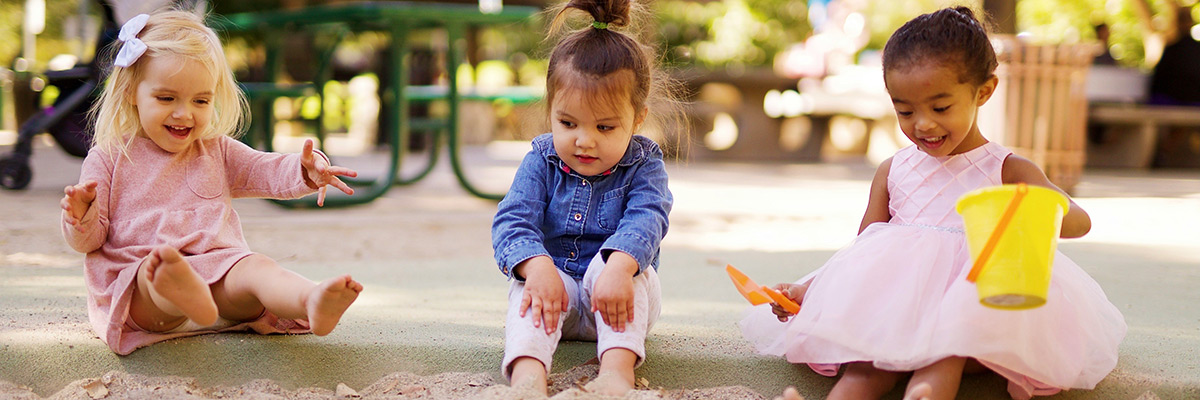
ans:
x=1130 y=132
x=1124 y=131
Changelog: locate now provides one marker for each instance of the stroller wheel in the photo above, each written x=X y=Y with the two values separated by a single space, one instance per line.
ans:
x=15 y=172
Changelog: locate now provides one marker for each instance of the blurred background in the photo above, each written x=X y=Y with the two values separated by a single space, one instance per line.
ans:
x=760 y=80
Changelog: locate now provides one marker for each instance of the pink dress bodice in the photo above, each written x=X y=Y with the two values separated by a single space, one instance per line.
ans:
x=922 y=189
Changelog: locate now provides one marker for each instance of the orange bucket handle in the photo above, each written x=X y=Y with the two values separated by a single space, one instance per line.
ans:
x=994 y=238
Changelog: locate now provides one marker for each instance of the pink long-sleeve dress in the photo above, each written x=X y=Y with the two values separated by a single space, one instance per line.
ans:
x=153 y=197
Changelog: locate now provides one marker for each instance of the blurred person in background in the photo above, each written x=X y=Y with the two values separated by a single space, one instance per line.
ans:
x=1176 y=78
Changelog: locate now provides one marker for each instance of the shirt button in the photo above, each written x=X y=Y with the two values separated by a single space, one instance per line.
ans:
x=584 y=183
x=572 y=254
x=578 y=216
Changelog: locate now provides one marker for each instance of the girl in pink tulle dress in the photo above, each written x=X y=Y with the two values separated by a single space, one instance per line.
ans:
x=895 y=302
x=153 y=208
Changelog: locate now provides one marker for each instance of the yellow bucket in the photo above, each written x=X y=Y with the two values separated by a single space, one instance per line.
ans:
x=1012 y=231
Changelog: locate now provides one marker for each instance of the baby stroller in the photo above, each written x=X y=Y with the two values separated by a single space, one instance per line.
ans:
x=67 y=119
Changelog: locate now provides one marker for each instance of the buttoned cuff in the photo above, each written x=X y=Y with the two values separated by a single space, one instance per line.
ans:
x=517 y=253
x=640 y=248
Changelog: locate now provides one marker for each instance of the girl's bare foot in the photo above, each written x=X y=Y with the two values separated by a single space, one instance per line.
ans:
x=922 y=391
x=790 y=394
x=328 y=301
x=174 y=283
x=610 y=383
x=529 y=377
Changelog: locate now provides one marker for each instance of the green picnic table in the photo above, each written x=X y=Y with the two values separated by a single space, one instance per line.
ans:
x=398 y=20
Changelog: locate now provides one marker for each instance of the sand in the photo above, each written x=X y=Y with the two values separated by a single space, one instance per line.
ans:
x=1143 y=250
x=567 y=385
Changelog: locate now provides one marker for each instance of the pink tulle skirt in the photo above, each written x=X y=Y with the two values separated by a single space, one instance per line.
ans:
x=898 y=297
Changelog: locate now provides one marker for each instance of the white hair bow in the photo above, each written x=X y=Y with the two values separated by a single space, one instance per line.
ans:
x=132 y=47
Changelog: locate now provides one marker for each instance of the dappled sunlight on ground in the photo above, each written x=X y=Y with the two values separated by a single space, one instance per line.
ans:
x=1143 y=221
x=39 y=260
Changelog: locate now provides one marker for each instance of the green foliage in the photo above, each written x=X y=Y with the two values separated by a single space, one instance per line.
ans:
x=884 y=16
x=52 y=41
x=730 y=32
x=714 y=34
x=1071 y=21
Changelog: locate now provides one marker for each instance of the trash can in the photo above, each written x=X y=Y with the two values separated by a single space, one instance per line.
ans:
x=1039 y=109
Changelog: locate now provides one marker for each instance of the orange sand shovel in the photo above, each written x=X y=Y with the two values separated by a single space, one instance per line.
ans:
x=759 y=294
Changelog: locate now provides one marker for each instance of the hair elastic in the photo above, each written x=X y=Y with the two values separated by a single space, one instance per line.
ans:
x=599 y=25
x=132 y=48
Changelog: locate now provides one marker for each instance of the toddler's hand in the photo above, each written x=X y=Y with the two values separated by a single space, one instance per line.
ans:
x=544 y=293
x=76 y=201
x=791 y=291
x=319 y=172
x=612 y=294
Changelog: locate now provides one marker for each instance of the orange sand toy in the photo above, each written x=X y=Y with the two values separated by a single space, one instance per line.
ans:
x=759 y=294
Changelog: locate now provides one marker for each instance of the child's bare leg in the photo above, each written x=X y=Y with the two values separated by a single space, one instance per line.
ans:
x=863 y=381
x=937 y=381
x=616 y=372
x=529 y=373
x=920 y=391
x=168 y=292
x=257 y=282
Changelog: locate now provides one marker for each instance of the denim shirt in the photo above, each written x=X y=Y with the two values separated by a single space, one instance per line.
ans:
x=551 y=210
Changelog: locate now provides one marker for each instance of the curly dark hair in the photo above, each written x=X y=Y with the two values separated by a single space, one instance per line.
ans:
x=952 y=37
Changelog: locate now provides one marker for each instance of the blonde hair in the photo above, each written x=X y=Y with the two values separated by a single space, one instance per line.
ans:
x=168 y=33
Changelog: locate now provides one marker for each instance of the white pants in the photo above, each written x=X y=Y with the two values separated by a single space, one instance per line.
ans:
x=522 y=339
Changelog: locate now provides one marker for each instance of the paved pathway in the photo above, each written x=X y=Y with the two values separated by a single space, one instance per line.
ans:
x=434 y=301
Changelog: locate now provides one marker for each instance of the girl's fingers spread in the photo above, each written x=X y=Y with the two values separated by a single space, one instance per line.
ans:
x=551 y=319
x=307 y=152
x=525 y=302
x=321 y=197
x=337 y=183
x=622 y=317
x=537 y=312
x=342 y=171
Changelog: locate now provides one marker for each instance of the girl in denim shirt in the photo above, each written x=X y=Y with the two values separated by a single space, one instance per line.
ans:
x=579 y=231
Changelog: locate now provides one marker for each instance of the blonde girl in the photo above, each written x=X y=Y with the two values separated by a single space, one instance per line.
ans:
x=165 y=252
